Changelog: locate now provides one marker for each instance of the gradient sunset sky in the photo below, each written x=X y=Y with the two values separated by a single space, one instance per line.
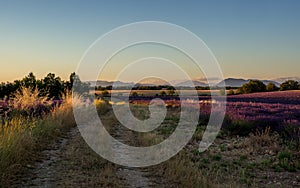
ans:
x=250 y=39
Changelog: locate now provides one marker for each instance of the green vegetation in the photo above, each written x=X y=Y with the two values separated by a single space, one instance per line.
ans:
x=258 y=86
x=105 y=93
x=289 y=85
x=50 y=86
x=271 y=87
x=162 y=93
x=253 y=86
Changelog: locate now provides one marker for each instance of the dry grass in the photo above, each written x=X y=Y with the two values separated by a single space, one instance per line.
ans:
x=28 y=97
x=22 y=137
x=262 y=142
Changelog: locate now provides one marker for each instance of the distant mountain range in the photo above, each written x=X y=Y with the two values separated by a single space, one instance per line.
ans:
x=189 y=84
x=232 y=82
x=104 y=83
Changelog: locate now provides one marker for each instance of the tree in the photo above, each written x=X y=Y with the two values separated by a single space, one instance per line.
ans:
x=105 y=93
x=253 y=86
x=271 y=87
x=171 y=92
x=77 y=85
x=222 y=92
x=134 y=94
x=231 y=92
x=289 y=85
x=162 y=93
x=51 y=86
x=69 y=84
x=29 y=81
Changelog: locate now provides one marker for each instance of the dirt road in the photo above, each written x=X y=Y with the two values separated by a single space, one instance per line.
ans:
x=69 y=162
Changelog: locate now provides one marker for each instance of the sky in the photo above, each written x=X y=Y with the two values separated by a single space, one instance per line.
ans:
x=250 y=39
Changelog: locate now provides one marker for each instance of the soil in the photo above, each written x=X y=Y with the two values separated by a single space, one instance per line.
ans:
x=69 y=162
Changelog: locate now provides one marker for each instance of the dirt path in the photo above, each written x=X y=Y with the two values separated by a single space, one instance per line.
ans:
x=43 y=172
x=69 y=162
x=134 y=177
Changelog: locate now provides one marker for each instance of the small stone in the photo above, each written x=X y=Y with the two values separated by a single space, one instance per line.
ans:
x=29 y=166
x=271 y=152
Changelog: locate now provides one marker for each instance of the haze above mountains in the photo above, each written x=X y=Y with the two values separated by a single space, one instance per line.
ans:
x=232 y=82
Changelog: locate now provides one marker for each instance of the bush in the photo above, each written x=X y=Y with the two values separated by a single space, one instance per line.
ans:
x=171 y=92
x=289 y=85
x=253 y=86
x=162 y=93
x=239 y=127
x=134 y=94
x=231 y=92
x=105 y=93
x=222 y=92
x=272 y=87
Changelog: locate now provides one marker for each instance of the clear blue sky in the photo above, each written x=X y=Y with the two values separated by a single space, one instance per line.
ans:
x=251 y=39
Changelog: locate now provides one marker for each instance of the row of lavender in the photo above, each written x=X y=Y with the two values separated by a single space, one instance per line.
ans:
x=272 y=109
x=268 y=109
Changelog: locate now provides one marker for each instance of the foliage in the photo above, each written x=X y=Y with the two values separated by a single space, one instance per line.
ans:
x=253 y=86
x=271 y=87
x=78 y=86
x=222 y=92
x=231 y=92
x=240 y=127
x=289 y=85
x=134 y=94
x=162 y=93
x=105 y=93
x=50 y=86
x=171 y=92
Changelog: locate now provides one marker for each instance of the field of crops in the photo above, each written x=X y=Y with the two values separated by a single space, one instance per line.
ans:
x=274 y=109
x=28 y=123
x=157 y=92
x=268 y=108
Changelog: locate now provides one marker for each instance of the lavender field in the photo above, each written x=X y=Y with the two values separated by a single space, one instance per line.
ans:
x=274 y=109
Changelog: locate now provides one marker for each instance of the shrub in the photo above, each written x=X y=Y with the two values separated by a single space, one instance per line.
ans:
x=171 y=92
x=286 y=161
x=291 y=134
x=162 y=93
x=105 y=93
x=231 y=92
x=253 y=86
x=272 y=87
x=134 y=94
x=222 y=92
x=239 y=127
x=289 y=85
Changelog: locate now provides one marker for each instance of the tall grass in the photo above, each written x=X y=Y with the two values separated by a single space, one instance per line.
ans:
x=23 y=135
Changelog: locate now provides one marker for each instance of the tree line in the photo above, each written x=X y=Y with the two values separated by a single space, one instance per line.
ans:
x=258 y=86
x=50 y=86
